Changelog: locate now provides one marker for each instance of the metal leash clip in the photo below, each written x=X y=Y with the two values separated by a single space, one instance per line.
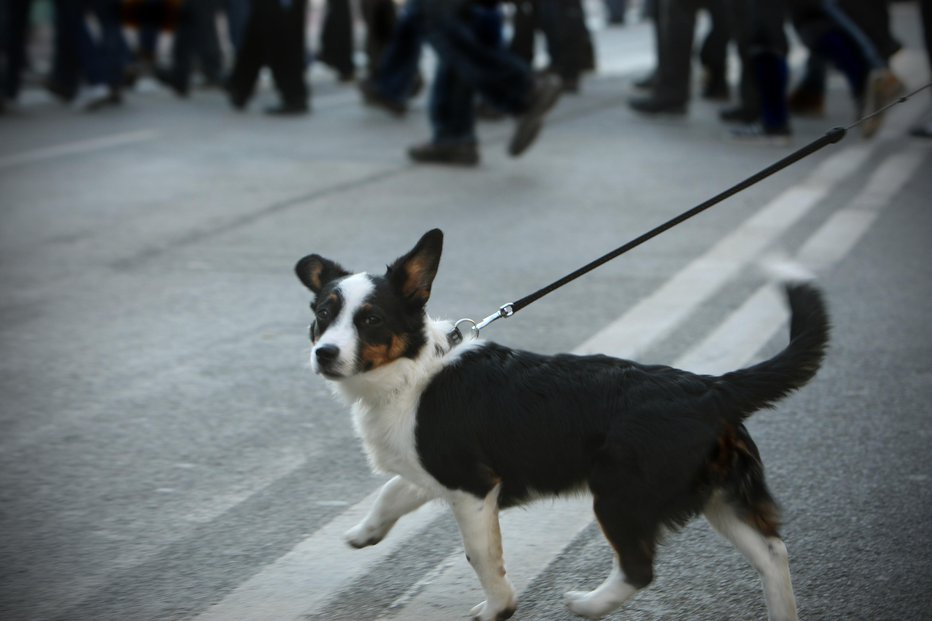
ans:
x=457 y=336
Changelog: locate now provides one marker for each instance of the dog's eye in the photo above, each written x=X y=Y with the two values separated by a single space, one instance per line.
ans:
x=372 y=320
x=323 y=314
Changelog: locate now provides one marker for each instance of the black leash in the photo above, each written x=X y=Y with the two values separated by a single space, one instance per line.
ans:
x=834 y=135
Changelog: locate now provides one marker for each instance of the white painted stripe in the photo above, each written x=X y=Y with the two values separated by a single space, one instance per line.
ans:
x=77 y=148
x=667 y=307
x=316 y=569
x=531 y=536
x=751 y=326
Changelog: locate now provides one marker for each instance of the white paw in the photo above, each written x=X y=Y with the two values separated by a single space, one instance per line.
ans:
x=361 y=536
x=484 y=612
x=584 y=604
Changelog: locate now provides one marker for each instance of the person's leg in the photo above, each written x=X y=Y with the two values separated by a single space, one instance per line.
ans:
x=713 y=54
x=670 y=88
x=286 y=57
x=250 y=56
x=336 y=39
x=16 y=30
x=380 y=17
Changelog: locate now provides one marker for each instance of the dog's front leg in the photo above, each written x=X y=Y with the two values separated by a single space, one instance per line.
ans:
x=397 y=498
x=482 y=538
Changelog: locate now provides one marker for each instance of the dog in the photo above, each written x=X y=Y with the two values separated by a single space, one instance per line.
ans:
x=486 y=427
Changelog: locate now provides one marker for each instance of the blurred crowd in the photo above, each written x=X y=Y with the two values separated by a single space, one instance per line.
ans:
x=485 y=51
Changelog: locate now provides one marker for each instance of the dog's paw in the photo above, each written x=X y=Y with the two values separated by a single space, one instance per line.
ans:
x=362 y=536
x=484 y=612
x=586 y=604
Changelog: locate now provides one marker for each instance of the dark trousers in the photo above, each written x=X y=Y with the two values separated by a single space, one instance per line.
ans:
x=196 y=37
x=336 y=36
x=469 y=64
x=563 y=24
x=396 y=73
x=13 y=32
x=275 y=38
x=99 y=59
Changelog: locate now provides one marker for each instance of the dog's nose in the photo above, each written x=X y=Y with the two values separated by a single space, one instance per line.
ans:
x=326 y=354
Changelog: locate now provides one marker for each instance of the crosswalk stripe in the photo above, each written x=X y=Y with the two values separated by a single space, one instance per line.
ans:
x=742 y=334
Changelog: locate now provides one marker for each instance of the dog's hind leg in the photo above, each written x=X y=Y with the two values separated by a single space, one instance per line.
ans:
x=482 y=537
x=634 y=541
x=752 y=532
x=397 y=498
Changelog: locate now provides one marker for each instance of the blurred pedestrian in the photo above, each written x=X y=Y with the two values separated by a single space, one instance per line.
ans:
x=568 y=43
x=472 y=59
x=14 y=29
x=924 y=129
x=195 y=39
x=274 y=37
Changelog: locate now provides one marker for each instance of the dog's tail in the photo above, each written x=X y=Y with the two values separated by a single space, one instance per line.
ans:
x=763 y=385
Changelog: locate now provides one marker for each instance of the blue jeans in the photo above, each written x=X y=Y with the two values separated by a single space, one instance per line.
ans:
x=472 y=59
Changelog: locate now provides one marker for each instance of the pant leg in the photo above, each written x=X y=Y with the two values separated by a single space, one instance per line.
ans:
x=502 y=78
x=398 y=66
x=452 y=109
x=110 y=47
x=287 y=51
x=380 y=17
x=674 y=64
x=207 y=41
x=237 y=18
x=336 y=37
x=714 y=51
x=17 y=27
x=252 y=52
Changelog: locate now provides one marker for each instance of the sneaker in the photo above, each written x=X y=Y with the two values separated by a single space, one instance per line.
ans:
x=883 y=88
x=465 y=154
x=547 y=91
x=758 y=134
x=652 y=105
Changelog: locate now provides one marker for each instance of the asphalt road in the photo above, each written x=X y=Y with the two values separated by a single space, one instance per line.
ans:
x=165 y=453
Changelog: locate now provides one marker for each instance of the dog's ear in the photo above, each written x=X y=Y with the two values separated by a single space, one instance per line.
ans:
x=413 y=274
x=315 y=272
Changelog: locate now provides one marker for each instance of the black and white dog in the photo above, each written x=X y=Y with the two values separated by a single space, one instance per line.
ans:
x=486 y=427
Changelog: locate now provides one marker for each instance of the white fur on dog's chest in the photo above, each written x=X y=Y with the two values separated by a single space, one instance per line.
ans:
x=388 y=437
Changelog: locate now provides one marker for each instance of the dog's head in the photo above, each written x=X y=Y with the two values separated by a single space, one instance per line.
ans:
x=363 y=322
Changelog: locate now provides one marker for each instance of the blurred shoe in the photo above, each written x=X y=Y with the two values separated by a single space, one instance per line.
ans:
x=758 y=134
x=922 y=131
x=738 y=114
x=167 y=78
x=652 y=105
x=237 y=99
x=488 y=112
x=466 y=154
x=288 y=109
x=883 y=88
x=647 y=82
x=61 y=93
x=371 y=96
x=806 y=103
x=546 y=92
x=715 y=88
x=94 y=98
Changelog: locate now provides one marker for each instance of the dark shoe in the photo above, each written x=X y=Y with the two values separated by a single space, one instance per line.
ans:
x=652 y=105
x=758 y=134
x=237 y=99
x=488 y=112
x=372 y=97
x=168 y=78
x=716 y=89
x=806 y=103
x=61 y=93
x=547 y=91
x=738 y=114
x=647 y=82
x=288 y=109
x=922 y=131
x=466 y=154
